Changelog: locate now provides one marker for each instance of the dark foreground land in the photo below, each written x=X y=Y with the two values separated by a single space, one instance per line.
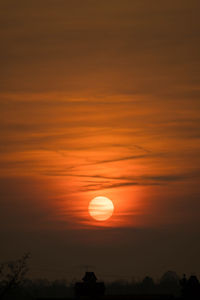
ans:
x=90 y=288
x=126 y=297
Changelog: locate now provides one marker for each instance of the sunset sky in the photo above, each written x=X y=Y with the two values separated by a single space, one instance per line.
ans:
x=100 y=98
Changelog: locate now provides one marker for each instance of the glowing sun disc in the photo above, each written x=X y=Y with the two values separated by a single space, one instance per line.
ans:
x=101 y=208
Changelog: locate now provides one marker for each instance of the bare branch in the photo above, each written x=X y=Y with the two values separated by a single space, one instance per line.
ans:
x=12 y=274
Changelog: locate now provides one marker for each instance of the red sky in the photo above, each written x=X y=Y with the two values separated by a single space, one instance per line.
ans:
x=100 y=98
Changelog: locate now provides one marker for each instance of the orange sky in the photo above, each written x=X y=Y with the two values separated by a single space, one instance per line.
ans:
x=100 y=98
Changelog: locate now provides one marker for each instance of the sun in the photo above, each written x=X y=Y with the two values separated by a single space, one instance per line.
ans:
x=101 y=208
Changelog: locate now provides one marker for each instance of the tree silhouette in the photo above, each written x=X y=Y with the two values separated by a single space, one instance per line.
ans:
x=190 y=287
x=147 y=285
x=12 y=274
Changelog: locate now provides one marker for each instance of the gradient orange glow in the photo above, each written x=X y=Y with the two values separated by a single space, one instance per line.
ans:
x=121 y=148
x=100 y=98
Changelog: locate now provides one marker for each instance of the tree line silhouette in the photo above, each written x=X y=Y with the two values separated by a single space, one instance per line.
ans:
x=14 y=284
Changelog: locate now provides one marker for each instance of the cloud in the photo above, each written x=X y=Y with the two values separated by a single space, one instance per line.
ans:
x=95 y=96
x=99 y=182
x=118 y=49
x=138 y=181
